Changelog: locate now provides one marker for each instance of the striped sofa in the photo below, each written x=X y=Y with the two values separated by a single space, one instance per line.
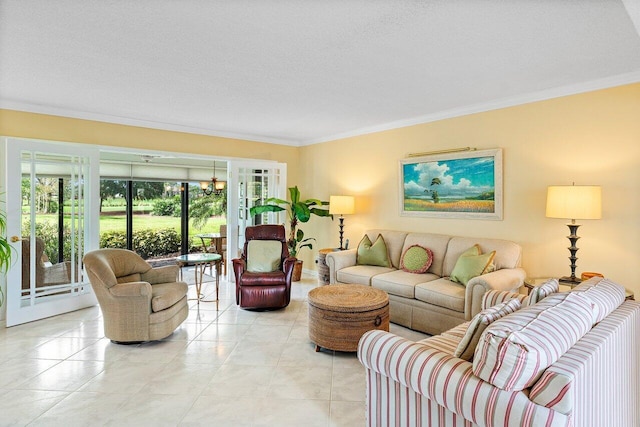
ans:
x=571 y=359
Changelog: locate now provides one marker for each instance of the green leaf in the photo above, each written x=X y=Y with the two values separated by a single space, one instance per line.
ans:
x=306 y=245
x=257 y=210
x=321 y=212
x=312 y=202
x=299 y=235
x=301 y=212
x=294 y=193
x=275 y=200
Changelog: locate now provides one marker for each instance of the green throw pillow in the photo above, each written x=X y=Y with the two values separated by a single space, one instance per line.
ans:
x=373 y=254
x=263 y=256
x=469 y=266
x=416 y=259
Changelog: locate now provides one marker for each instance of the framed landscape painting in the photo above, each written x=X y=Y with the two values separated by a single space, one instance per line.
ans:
x=453 y=185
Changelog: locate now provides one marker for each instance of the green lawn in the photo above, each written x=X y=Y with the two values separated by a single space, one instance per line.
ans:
x=118 y=223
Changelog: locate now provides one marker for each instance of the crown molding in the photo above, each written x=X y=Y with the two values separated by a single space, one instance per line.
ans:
x=128 y=121
x=604 y=83
x=608 y=82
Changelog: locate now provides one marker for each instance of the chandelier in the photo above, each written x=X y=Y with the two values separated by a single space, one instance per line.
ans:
x=215 y=186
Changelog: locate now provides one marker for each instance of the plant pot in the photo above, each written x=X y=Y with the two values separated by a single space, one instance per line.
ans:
x=297 y=271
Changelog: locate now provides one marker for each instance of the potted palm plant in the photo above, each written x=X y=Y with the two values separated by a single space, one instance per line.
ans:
x=297 y=211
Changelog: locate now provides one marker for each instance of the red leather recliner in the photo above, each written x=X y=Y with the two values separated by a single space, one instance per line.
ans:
x=263 y=290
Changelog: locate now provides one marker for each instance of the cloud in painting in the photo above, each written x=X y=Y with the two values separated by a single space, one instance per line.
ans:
x=458 y=178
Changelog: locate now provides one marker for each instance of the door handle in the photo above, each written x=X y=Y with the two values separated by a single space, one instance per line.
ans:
x=15 y=239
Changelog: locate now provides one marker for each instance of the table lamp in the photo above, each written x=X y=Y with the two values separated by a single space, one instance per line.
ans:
x=341 y=205
x=574 y=202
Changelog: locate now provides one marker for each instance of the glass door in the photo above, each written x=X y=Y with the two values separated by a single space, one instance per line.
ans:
x=250 y=183
x=52 y=220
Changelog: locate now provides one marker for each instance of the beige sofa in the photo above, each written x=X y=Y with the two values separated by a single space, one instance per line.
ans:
x=587 y=378
x=430 y=302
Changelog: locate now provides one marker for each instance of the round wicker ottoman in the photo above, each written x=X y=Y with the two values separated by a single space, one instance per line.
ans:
x=340 y=314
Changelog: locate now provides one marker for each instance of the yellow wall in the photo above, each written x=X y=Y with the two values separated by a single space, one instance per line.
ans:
x=55 y=128
x=591 y=138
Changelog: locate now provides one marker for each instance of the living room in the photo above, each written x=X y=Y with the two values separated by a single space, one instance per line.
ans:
x=584 y=131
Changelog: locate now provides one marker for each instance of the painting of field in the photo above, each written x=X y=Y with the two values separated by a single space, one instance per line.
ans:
x=486 y=206
x=453 y=185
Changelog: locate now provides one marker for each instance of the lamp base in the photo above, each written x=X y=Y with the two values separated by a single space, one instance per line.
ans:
x=569 y=281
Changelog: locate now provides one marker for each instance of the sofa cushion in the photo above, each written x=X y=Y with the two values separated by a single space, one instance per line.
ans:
x=605 y=295
x=400 y=283
x=416 y=259
x=164 y=295
x=469 y=266
x=436 y=242
x=442 y=342
x=360 y=274
x=375 y=253
x=542 y=291
x=515 y=350
x=477 y=325
x=443 y=293
x=264 y=256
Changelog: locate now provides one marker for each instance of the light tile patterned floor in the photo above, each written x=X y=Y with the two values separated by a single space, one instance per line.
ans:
x=230 y=367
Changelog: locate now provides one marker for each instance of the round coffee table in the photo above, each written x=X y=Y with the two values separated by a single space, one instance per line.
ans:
x=340 y=314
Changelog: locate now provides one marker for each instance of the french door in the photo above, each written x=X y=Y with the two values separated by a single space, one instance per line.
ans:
x=250 y=183
x=52 y=201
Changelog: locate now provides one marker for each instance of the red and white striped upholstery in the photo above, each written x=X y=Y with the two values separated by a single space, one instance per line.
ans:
x=467 y=344
x=605 y=295
x=594 y=384
x=493 y=297
x=538 y=293
x=593 y=380
x=514 y=350
x=409 y=384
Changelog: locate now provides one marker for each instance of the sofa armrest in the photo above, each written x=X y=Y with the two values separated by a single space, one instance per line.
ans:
x=131 y=289
x=495 y=297
x=443 y=379
x=165 y=274
x=339 y=260
x=507 y=279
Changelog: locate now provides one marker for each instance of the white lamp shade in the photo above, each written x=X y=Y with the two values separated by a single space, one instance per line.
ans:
x=574 y=201
x=341 y=205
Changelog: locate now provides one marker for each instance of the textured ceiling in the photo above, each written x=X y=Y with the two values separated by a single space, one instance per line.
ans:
x=304 y=71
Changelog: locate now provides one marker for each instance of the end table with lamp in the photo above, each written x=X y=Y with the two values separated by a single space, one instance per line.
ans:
x=532 y=282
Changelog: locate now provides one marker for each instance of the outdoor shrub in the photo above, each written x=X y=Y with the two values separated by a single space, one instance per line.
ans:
x=149 y=243
x=166 y=207
x=113 y=239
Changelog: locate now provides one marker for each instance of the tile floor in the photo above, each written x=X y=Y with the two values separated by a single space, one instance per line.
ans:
x=229 y=367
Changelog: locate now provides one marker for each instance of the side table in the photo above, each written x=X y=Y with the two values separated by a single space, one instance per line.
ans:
x=200 y=262
x=531 y=282
x=323 y=268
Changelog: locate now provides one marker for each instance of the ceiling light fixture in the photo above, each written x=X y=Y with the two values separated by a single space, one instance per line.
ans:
x=214 y=186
